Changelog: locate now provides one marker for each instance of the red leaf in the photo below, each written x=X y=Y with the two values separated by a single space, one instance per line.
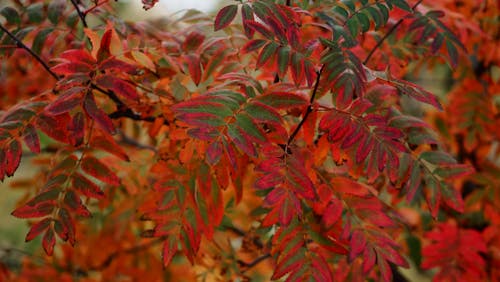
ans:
x=348 y=186
x=100 y=171
x=260 y=28
x=108 y=144
x=104 y=51
x=12 y=157
x=117 y=85
x=54 y=126
x=115 y=64
x=72 y=68
x=148 y=4
x=67 y=101
x=49 y=241
x=37 y=228
x=78 y=55
x=86 y=187
x=332 y=213
x=214 y=152
x=194 y=67
x=31 y=138
x=97 y=114
x=225 y=16
x=384 y=268
x=253 y=45
x=357 y=244
x=170 y=248
x=40 y=210
x=77 y=129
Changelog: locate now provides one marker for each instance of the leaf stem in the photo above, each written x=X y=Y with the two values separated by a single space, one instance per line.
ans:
x=80 y=13
x=391 y=30
x=20 y=44
x=309 y=108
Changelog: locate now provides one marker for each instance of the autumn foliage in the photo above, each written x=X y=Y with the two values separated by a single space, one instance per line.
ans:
x=278 y=140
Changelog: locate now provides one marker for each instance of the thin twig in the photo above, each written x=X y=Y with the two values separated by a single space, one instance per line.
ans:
x=80 y=13
x=393 y=28
x=23 y=46
x=248 y=265
x=289 y=2
x=309 y=108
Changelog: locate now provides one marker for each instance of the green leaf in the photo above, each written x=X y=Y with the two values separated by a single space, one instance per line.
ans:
x=35 y=12
x=249 y=127
x=402 y=5
x=225 y=16
x=40 y=38
x=11 y=15
x=266 y=54
x=364 y=21
x=55 y=10
x=283 y=59
x=437 y=157
x=282 y=100
x=376 y=16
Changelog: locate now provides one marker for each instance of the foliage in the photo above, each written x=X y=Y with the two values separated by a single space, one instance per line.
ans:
x=278 y=140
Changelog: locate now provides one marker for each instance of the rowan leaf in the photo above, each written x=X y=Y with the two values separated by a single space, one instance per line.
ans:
x=49 y=241
x=86 y=187
x=225 y=16
x=97 y=114
x=37 y=229
x=97 y=169
x=118 y=86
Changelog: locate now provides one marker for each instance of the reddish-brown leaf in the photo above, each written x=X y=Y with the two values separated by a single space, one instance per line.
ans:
x=37 y=228
x=194 y=67
x=67 y=101
x=49 y=241
x=118 y=86
x=72 y=68
x=31 y=138
x=107 y=143
x=12 y=157
x=97 y=169
x=40 y=210
x=78 y=55
x=119 y=65
x=97 y=114
x=77 y=129
x=86 y=187
x=170 y=248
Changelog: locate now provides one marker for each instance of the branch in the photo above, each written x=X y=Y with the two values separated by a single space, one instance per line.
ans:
x=80 y=13
x=132 y=142
x=248 y=265
x=20 y=44
x=289 y=2
x=309 y=108
x=393 y=28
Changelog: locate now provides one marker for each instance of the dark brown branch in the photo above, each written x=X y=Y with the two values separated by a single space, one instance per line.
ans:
x=391 y=30
x=289 y=2
x=80 y=13
x=248 y=265
x=20 y=44
x=309 y=108
x=132 y=142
